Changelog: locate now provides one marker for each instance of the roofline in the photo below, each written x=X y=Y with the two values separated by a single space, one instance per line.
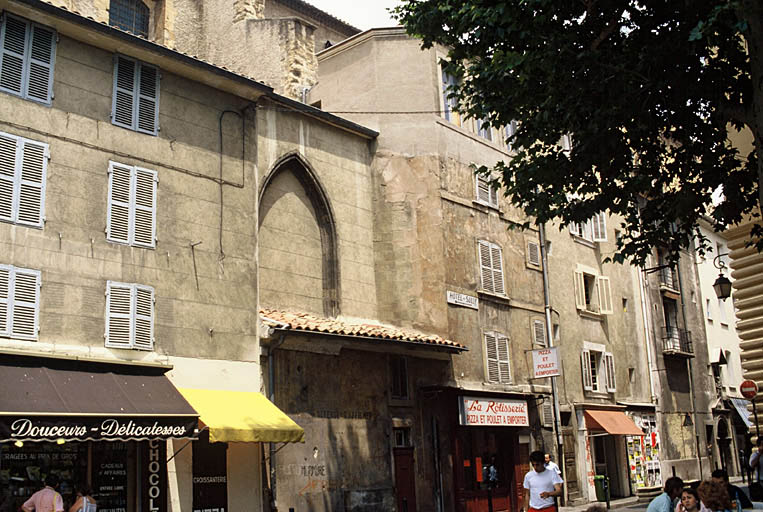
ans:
x=162 y=53
x=323 y=116
x=361 y=38
x=318 y=14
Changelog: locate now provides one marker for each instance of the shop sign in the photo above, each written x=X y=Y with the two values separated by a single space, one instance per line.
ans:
x=461 y=299
x=492 y=412
x=153 y=473
x=210 y=475
x=545 y=363
x=52 y=428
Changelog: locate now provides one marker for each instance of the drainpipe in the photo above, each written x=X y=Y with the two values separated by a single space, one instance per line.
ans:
x=697 y=431
x=272 y=397
x=651 y=364
x=550 y=338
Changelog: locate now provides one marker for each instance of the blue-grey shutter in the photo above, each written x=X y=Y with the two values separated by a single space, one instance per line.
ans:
x=144 y=208
x=14 y=43
x=119 y=301
x=148 y=99
x=31 y=188
x=144 y=318
x=118 y=216
x=5 y=302
x=41 y=60
x=9 y=155
x=123 y=100
x=25 y=284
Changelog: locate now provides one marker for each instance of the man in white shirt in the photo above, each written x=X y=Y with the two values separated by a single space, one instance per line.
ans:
x=550 y=464
x=541 y=485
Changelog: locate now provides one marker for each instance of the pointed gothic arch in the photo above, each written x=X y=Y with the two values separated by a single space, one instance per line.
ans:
x=300 y=169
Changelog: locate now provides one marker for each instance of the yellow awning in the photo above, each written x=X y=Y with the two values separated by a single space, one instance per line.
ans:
x=242 y=416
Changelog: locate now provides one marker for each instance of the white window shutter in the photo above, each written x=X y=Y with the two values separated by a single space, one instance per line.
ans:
x=123 y=99
x=533 y=253
x=5 y=302
x=491 y=355
x=41 y=60
x=13 y=39
x=483 y=189
x=539 y=333
x=25 y=284
x=504 y=359
x=10 y=155
x=497 y=259
x=148 y=99
x=575 y=228
x=585 y=363
x=548 y=414
x=580 y=290
x=494 y=197
x=144 y=318
x=605 y=295
x=486 y=268
x=119 y=302
x=144 y=223
x=609 y=365
x=118 y=216
x=32 y=177
x=599 y=223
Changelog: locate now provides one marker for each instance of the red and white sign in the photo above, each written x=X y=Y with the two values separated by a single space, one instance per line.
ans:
x=545 y=363
x=490 y=412
x=748 y=389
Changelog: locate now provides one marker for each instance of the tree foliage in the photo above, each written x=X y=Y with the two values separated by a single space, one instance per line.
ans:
x=648 y=90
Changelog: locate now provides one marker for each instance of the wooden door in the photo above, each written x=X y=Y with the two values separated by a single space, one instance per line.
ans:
x=405 y=479
x=570 y=464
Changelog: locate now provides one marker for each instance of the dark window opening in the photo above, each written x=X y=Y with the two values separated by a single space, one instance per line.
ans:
x=399 y=377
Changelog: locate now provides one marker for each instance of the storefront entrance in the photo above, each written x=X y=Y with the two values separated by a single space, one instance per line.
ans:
x=485 y=469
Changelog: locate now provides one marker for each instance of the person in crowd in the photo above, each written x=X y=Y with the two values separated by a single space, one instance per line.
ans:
x=665 y=501
x=541 y=486
x=735 y=493
x=756 y=464
x=690 y=501
x=550 y=464
x=715 y=496
x=46 y=499
x=84 y=501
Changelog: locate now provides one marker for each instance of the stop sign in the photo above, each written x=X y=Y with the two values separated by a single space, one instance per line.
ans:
x=749 y=389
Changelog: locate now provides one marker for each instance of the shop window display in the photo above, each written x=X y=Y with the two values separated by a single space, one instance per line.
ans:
x=643 y=453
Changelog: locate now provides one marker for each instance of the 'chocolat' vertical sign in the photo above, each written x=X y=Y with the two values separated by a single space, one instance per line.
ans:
x=153 y=475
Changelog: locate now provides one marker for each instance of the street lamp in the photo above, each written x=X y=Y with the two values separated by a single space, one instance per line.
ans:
x=722 y=285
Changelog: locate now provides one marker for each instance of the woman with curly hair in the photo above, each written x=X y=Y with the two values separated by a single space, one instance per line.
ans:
x=715 y=496
x=690 y=502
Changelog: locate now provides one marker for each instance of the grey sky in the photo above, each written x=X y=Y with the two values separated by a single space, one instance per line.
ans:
x=363 y=14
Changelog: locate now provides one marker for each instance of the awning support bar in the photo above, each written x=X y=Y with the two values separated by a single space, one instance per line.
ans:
x=184 y=446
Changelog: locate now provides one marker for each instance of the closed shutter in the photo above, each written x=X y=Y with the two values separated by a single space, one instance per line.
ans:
x=605 y=295
x=148 y=99
x=609 y=366
x=585 y=364
x=9 y=155
x=599 y=227
x=34 y=164
x=119 y=299
x=26 y=296
x=548 y=414
x=5 y=302
x=580 y=302
x=497 y=261
x=533 y=253
x=575 y=228
x=491 y=354
x=539 y=333
x=144 y=208
x=504 y=360
x=14 y=43
x=41 y=59
x=123 y=100
x=118 y=226
x=144 y=318
x=486 y=267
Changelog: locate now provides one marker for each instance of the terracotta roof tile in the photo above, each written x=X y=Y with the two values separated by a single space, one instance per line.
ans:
x=309 y=322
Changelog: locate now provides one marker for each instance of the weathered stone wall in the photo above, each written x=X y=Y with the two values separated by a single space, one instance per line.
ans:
x=323 y=31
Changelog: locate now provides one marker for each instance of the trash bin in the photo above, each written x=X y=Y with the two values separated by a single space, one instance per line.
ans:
x=600 y=483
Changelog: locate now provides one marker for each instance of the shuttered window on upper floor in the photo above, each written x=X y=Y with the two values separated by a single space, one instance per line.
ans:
x=23 y=169
x=19 y=302
x=497 y=358
x=131 y=216
x=27 y=57
x=135 y=101
x=491 y=267
x=129 y=316
x=485 y=192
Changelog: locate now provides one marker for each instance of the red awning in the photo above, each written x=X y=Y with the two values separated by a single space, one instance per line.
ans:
x=614 y=422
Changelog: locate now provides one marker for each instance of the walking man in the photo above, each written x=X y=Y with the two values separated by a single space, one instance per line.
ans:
x=541 y=486
x=550 y=464
x=665 y=502
x=46 y=499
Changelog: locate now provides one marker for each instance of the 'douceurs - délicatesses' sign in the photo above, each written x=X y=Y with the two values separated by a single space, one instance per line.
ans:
x=53 y=428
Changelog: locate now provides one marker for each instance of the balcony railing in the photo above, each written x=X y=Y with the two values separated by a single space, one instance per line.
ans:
x=677 y=341
x=669 y=278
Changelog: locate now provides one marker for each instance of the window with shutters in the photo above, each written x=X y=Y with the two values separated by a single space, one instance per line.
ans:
x=449 y=104
x=23 y=169
x=592 y=230
x=19 y=302
x=491 y=267
x=135 y=101
x=486 y=194
x=484 y=130
x=497 y=360
x=539 y=332
x=508 y=132
x=533 y=254
x=598 y=370
x=129 y=15
x=399 y=377
x=131 y=216
x=27 y=57
x=593 y=293
x=129 y=316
